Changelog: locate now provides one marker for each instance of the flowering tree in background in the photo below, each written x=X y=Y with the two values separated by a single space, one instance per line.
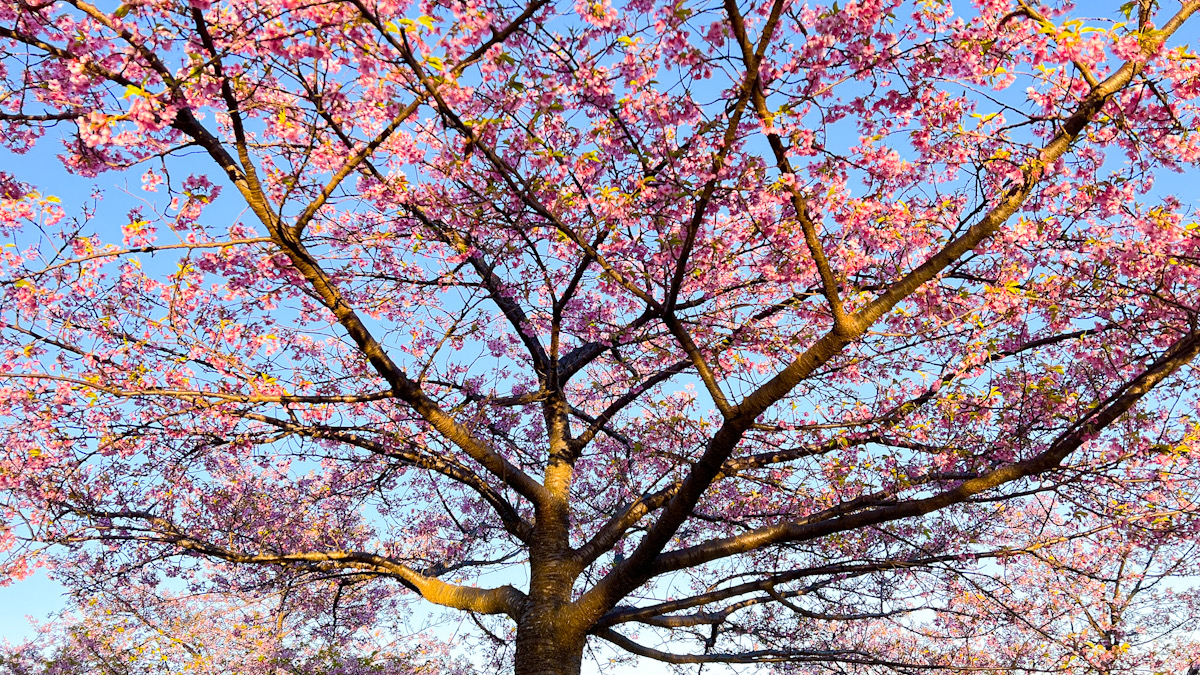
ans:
x=845 y=338
x=1094 y=602
x=144 y=630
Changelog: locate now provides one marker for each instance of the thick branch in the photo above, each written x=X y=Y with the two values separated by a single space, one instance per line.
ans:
x=502 y=600
x=752 y=60
x=756 y=656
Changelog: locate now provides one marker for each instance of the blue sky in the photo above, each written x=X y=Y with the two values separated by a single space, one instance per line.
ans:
x=34 y=598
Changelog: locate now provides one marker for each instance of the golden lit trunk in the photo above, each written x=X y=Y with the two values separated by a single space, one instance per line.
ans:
x=550 y=635
x=546 y=647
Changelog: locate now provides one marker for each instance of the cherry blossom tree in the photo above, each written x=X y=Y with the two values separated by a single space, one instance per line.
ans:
x=1092 y=599
x=732 y=332
x=144 y=630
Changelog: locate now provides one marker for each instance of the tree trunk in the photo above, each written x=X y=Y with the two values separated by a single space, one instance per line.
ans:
x=546 y=646
x=550 y=636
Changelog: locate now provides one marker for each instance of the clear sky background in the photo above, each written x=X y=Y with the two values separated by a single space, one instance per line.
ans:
x=36 y=597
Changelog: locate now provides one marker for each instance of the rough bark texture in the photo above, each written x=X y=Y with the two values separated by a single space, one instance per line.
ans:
x=550 y=635
x=545 y=646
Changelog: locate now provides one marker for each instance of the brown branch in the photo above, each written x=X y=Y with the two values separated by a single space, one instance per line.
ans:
x=446 y=466
x=662 y=614
x=512 y=311
x=627 y=398
x=615 y=528
x=501 y=600
x=42 y=117
x=773 y=656
x=356 y=160
x=196 y=394
x=752 y=59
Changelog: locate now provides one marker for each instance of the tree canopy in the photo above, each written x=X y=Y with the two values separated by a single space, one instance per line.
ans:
x=838 y=338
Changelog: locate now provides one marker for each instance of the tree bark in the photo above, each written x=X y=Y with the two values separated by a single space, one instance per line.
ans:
x=550 y=633
x=546 y=645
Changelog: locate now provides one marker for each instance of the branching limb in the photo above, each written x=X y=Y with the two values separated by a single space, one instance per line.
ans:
x=446 y=466
x=769 y=656
x=751 y=59
x=502 y=600
x=1096 y=420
